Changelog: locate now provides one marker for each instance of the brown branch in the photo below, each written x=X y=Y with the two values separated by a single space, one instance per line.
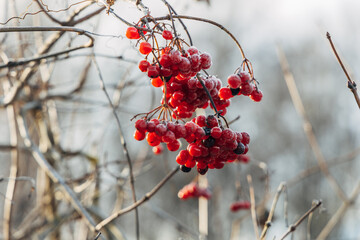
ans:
x=351 y=83
x=293 y=227
x=296 y=99
x=281 y=187
x=139 y=202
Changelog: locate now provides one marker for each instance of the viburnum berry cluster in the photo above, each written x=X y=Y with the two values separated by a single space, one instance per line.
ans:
x=193 y=190
x=179 y=69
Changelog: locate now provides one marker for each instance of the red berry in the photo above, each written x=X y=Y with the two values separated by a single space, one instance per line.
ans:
x=167 y=35
x=245 y=138
x=205 y=61
x=139 y=135
x=234 y=81
x=225 y=93
x=194 y=150
x=246 y=88
x=153 y=71
x=158 y=149
x=173 y=146
x=152 y=139
x=157 y=82
x=182 y=157
x=256 y=95
x=236 y=206
x=141 y=125
x=145 y=48
x=143 y=65
x=132 y=33
x=193 y=50
x=160 y=129
x=168 y=137
x=165 y=60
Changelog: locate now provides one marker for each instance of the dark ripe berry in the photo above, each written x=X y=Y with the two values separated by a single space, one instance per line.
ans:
x=256 y=95
x=185 y=169
x=240 y=148
x=143 y=65
x=234 y=81
x=132 y=33
x=157 y=82
x=141 y=125
x=158 y=149
x=139 y=135
x=165 y=60
x=245 y=138
x=205 y=60
x=192 y=50
x=202 y=171
x=160 y=129
x=145 y=48
x=210 y=142
x=207 y=131
x=235 y=91
x=167 y=35
x=246 y=89
x=153 y=71
x=225 y=93
x=173 y=146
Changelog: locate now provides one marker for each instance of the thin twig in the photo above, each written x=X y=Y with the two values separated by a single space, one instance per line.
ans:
x=351 y=83
x=123 y=143
x=293 y=227
x=272 y=210
x=339 y=214
x=253 y=206
x=139 y=202
x=296 y=99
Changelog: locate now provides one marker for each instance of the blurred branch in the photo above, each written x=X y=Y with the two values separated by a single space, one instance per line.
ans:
x=253 y=206
x=280 y=189
x=296 y=99
x=47 y=168
x=351 y=83
x=139 y=202
x=293 y=227
x=123 y=143
x=339 y=214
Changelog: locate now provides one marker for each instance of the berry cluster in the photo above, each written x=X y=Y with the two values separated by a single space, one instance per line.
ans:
x=216 y=147
x=192 y=190
x=240 y=205
x=175 y=66
x=241 y=83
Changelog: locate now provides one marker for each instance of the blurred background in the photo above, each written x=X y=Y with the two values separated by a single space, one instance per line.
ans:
x=89 y=156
